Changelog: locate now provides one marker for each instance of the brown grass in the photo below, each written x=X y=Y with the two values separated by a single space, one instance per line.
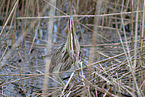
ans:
x=111 y=35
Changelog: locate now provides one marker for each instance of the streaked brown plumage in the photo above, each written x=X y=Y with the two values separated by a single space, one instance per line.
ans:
x=66 y=55
x=61 y=58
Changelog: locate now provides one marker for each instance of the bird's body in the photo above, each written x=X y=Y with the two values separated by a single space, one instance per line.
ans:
x=67 y=55
x=61 y=60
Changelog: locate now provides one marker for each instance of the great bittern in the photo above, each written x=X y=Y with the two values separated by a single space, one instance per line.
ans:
x=67 y=55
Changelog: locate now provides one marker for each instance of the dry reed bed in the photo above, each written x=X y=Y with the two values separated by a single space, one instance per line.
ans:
x=111 y=35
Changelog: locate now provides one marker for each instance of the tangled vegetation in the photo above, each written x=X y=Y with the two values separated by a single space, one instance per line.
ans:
x=111 y=37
